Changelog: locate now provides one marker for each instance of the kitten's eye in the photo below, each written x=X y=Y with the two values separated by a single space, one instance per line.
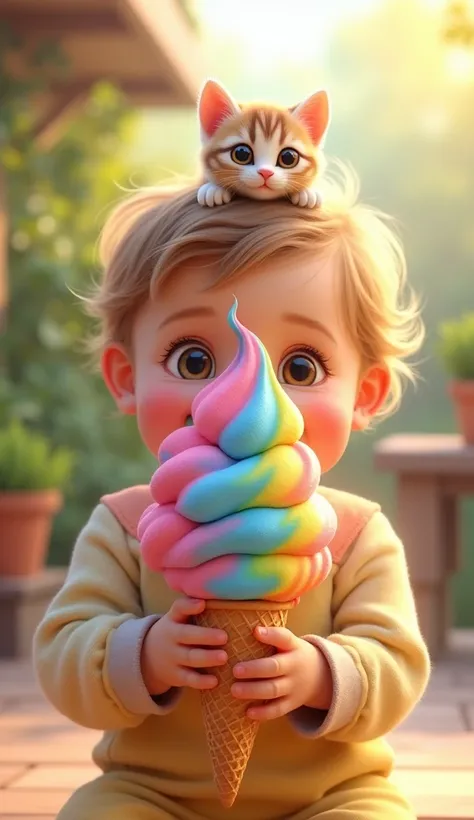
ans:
x=299 y=368
x=242 y=155
x=188 y=361
x=288 y=158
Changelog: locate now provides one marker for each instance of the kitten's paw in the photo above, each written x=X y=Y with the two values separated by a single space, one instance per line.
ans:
x=210 y=195
x=306 y=198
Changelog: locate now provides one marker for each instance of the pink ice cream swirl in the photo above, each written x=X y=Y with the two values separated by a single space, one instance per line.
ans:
x=236 y=515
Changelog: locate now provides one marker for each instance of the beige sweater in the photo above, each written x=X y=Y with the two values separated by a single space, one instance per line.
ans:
x=87 y=654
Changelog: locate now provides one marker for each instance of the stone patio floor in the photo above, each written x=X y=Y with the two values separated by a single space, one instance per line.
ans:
x=43 y=757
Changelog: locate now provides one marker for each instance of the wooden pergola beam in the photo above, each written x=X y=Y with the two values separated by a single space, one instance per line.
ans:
x=169 y=74
x=53 y=25
x=163 y=25
x=63 y=102
x=58 y=109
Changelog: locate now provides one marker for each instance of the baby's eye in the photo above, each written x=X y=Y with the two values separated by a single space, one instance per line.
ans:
x=288 y=158
x=299 y=368
x=189 y=361
x=242 y=154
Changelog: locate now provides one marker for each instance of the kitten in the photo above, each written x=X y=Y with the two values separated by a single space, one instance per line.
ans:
x=260 y=151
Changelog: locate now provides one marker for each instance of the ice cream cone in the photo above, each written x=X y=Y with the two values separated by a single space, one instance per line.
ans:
x=236 y=508
x=230 y=733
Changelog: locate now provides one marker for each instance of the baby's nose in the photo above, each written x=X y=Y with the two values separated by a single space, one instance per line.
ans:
x=266 y=173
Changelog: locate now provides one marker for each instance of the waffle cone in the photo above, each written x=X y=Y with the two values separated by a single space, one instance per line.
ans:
x=230 y=733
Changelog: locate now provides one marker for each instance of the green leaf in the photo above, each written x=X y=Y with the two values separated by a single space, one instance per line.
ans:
x=28 y=462
x=456 y=346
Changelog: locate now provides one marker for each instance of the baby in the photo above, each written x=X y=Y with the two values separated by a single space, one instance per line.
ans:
x=117 y=650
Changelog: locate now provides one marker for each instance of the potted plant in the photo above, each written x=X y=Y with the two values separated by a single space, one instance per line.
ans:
x=457 y=352
x=32 y=475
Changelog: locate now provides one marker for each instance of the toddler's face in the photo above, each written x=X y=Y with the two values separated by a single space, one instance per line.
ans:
x=182 y=340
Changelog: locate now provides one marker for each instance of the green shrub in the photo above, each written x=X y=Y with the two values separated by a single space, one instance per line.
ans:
x=28 y=462
x=58 y=200
x=457 y=346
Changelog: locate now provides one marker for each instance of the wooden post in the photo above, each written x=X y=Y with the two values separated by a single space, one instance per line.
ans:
x=422 y=527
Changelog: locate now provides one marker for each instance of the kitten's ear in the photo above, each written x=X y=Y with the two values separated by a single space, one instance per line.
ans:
x=314 y=114
x=214 y=106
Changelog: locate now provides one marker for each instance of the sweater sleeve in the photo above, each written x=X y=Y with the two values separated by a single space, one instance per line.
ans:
x=378 y=660
x=87 y=647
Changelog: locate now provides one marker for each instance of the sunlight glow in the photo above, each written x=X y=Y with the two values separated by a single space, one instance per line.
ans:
x=434 y=122
x=271 y=30
x=460 y=63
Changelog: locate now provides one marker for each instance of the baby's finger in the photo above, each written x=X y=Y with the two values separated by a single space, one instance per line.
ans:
x=200 y=636
x=270 y=711
x=200 y=658
x=196 y=680
x=262 y=690
x=272 y=667
x=183 y=608
x=277 y=636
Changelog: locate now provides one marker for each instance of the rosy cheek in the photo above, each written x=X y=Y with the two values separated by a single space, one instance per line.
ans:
x=327 y=429
x=161 y=411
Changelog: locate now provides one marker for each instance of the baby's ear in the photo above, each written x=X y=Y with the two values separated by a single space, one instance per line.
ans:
x=314 y=114
x=117 y=372
x=214 y=106
x=373 y=390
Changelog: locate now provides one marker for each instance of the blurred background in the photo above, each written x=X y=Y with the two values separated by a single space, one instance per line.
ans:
x=401 y=77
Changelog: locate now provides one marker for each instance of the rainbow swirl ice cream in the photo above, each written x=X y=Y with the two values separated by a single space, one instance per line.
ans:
x=236 y=513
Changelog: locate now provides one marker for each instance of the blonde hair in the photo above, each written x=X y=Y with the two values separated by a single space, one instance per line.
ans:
x=155 y=231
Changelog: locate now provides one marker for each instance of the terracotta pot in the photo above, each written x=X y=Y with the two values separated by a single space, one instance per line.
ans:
x=26 y=518
x=462 y=394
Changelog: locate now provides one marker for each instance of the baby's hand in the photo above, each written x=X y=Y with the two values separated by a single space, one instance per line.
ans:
x=298 y=675
x=174 y=649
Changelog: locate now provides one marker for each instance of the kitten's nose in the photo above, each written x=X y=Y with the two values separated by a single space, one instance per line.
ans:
x=266 y=173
